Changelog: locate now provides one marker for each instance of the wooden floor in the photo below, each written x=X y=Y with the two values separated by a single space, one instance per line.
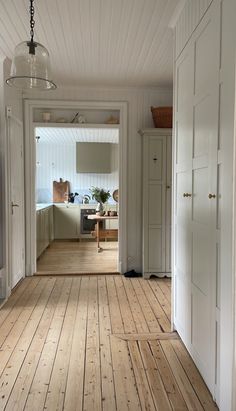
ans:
x=94 y=343
x=74 y=257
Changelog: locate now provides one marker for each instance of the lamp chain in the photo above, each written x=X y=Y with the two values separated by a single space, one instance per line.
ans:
x=32 y=21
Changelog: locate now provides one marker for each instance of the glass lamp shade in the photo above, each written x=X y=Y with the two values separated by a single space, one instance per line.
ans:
x=31 y=70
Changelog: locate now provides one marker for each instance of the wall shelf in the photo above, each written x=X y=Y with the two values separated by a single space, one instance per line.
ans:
x=76 y=125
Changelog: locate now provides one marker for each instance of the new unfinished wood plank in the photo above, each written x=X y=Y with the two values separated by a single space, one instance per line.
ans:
x=183 y=382
x=164 y=284
x=160 y=397
x=116 y=319
x=135 y=307
x=148 y=336
x=126 y=313
x=40 y=383
x=57 y=386
x=194 y=376
x=75 y=378
x=156 y=307
x=24 y=379
x=127 y=398
x=107 y=379
x=144 y=391
x=92 y=382
x=148 y=313
x=175 y=397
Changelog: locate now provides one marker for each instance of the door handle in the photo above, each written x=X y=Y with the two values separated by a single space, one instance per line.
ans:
x=12 y=206
x=210 y=196
x=187 y=195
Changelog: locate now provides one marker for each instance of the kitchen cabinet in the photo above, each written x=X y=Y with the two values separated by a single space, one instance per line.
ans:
x=156 y=219
x=44 y=228
x=66 y=221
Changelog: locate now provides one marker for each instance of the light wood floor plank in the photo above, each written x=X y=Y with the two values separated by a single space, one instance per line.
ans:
x=107 y=378
x=194 y=376
x=139 y=319
x=74 y=257
x=148 y=313
x=92 y=381
x=176 y=399
x=13 y=366
x=183 y=382
x=125 y=385
x=143 y=387
x=57 y=386
x=156 y=307
x=17 y=293
x=65 y=346
x=75 y=379
x=126 y=313
x=19 y=326
x=13 y=316
x=40 y=383
x=160 y=396
x=24 y=379
x=164 y=302
x=116 y=319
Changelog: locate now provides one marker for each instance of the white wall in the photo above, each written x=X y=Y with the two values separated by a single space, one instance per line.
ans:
x=139 y=116
x=55 y=161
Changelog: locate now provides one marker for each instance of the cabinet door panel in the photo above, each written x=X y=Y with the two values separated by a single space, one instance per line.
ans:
x=155 y=159
x=155 y=250
x=155 y=200
x=66 y=222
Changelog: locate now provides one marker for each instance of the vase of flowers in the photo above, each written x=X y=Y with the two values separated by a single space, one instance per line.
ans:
x=101 y=196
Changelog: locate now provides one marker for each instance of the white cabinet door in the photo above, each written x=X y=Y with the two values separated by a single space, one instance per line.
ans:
x=196 y=138
x=156 y=202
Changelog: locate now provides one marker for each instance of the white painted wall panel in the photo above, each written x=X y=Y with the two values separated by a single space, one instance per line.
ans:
x=139 y=116
x=190 y=17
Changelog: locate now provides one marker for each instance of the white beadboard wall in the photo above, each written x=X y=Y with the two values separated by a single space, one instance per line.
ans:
x=189 y=18
x=55 y=161
x=139 y=116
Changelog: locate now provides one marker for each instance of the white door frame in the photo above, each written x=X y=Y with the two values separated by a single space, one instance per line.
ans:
x=30 y=170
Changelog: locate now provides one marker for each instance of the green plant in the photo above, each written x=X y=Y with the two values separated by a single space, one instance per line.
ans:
x=99 y=194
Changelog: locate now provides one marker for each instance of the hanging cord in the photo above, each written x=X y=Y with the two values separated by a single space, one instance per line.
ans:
x=31 y=43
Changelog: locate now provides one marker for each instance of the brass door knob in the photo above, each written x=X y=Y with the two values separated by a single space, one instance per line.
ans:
x=210 y=196
x=187 y=195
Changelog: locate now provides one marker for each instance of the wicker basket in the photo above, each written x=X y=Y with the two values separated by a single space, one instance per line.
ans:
x=162 y=117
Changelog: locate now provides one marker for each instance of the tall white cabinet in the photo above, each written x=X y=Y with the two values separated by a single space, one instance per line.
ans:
x=197 y=205
x=156 y=144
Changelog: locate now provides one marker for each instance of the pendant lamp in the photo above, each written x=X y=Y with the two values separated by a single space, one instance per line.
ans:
x=30 y=67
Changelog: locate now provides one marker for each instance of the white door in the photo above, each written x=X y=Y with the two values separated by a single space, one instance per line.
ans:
x=16 y=203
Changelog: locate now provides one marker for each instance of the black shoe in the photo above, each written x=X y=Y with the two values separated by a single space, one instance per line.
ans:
x=132 y=273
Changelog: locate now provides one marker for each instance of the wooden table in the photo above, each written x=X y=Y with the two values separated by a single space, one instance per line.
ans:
x=99 y=218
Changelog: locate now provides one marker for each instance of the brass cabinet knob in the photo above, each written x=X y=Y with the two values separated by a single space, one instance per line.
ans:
x=210 y=196
x=187 y=195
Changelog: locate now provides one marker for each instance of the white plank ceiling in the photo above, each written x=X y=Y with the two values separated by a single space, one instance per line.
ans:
x=68 y=136
x=97 y=42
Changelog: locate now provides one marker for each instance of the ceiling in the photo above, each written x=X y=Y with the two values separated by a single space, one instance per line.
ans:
x=65 y=135
x=97 y=42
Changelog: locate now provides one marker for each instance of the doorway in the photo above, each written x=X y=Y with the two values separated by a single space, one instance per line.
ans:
x=76 y=166
x=32 y=108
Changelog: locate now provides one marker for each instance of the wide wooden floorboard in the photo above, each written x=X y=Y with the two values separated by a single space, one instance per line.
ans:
x=78 y=257
x=99 y=342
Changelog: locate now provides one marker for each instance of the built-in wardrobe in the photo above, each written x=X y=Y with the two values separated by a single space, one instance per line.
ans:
x=199 y=205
